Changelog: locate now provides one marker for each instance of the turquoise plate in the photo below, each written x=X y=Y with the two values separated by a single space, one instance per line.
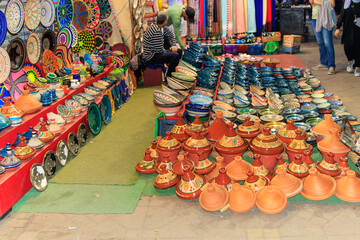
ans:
x=105 y=109
x=94 y=118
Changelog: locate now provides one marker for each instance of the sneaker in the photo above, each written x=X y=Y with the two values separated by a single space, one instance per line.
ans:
x=350 y=66
x=320 y=67
x=357 y=72
x=331 y=71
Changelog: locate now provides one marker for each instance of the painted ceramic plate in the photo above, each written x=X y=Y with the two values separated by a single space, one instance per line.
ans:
x=105 y=8
x=63 y=53
x=99 y=85
x=74 y=35
x=94 y=17
x=308 y=107
x=105 y=109
x=201 y=100
x=105 y=29
x=32 y=14
x=47 y=13
x=81 y=15
x=65 y=13
x=313 y=121
x=33 y=47
x=62 y=153
x=94 y=118
x=4 y=61
x=82 y=134
x=14 y=14
x=17 y=53
x=73 y=144
x=82 y=100
x=38 y=177
x=65 y=37
x=87 y=96
x=49 y=164
x=295 y=117
x=117 y=97
x=272 y=118
x=3 y=27
x=49 y=62
x=86 y=40
x=49 y=41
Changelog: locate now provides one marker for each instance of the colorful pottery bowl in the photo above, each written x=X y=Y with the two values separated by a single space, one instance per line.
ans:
x=313 y=121
x=201 y=100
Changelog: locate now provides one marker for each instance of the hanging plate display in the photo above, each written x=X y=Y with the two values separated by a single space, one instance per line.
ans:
x=17 y=53
x=38 y=177
x=118 y=62
x=63 y=53
x=81 y=15
x=15 y=84
x=99 y=42
x=55 y=27
x=74 y=34
x=48 y=41
x=86 y=40
x=47 y=13
x=62 y=153
x=49 y=164
x=105 y=109
x=65 y=13
x=94 y=17
x=105 y=8
x=49 y=62
x=117 y=96
x=65 y=37
x=122 y=48
x=33 y=47
x=5 y=65
x=94 y=118
x=33 y=71
x=3 y=27
x=14 y=14
x=32 y=14
x=82 y=134
x=105 y=29
x=73 y=144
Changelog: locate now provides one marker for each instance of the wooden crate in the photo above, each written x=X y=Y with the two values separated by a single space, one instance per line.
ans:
x=276 y=38
x=292 y=40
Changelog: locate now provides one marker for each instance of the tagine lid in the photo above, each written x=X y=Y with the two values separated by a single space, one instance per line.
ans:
x=248 y=129
x=204 y=165
x=271 y=200
x=27 y=103
x=147 y=165
x=328 y=165
x=231 y=142
x=189 y=187
x=298 y=168
x=260 y=169
x=288 y=183
x=154 y=154
x=196 y=142
x=267 y=143
x=213 y=197
x=8 y=109
x=223 y=179
x=318 y=186
x=166 y=178
x=180 y=163
x=298 y=143
x=218 y=128
x=164 y=161
x=331 y=143
x=178 y=130
x=308 y=159
x=242 y=198
x=288 y=131
x=281 y=164
x=323 y=127
x=348 y=187
x=196 y=125
x=168 y=143
x=237 y=170
x=22 y=150
x=255 y=182
x=218 y=164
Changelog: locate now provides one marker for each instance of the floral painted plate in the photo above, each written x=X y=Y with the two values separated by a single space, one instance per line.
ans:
x=79 y=98
x=272 y=118
x=94 y=118
x=91 y=92
x=308 y=107
x=65 y=13
x=64 y=111
x=14 y=14
x=87 y=96
x=32 y=14
x=47 y=13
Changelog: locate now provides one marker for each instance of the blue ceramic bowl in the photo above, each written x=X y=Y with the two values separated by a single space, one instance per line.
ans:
x=291 y=111
x=211 y=64
x=295 y=117
x=304 y=126
x=197 y=107
x=201 y=100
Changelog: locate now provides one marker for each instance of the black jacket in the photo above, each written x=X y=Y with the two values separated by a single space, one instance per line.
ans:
x=351 y=33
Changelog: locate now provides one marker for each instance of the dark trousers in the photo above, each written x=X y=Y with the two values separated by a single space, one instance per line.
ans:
x=352 y=51
x=170 y=58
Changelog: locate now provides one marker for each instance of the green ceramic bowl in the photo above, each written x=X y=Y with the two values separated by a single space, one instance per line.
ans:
x=313 y=121
x=317 y=95
x=249 y=111
x=269 y=111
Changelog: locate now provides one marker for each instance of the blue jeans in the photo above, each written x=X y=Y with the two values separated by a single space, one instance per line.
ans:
x=326 y=46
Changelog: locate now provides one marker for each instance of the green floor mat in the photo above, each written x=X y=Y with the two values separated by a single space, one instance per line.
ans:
x=110 y=157
x=82 y=198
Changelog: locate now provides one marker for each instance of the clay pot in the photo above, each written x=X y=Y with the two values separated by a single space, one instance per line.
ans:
x=213 y=197
x=288 y=183
x=54 y=128
x=308 y=159
x=248 y=130
x=297 y=146
x=348 y=187
x=153 y=153
x=281 y=164
x=34 y=142
x=178 y=130
x=260 y=169
x=10 y=110
x=27 y=103
x=242 y=198
x=237 y=170
x=44 y=134
x=328 y=166
x=257 y=123
x=190 y=185
x=318 y=186
x=223 y=179
x=147 y=165
x=287 y=133
x=256 y=182
x=217 y=129
x=23 y=151
x=298 y=168
x=179 y=165
x=344 y=167
x=321 y=130
x=166 y=178
x=196 y=125
x=196 y=143
x=165 y=161
x=231 y=144
x=30 y=86
x=268 y=146
x=204 y=165
x=271 y=200
x=215 y=172
x=331 y=143
x=168 y=145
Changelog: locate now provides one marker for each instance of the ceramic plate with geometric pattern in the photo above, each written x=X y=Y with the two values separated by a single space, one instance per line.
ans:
x=33 y=47
x=14 y=16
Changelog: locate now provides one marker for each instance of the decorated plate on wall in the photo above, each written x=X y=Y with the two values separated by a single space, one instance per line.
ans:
x=4 y=61
x=33 y=71
x=49 y=62
x=48 y=41
x=63 y=53
x=32 y=14
x=86 y=40
x=105 y=8
x=15 y=84
x=74 y=34
x=65 y=13
x=94 y=118
x=105 y=29
x=65 y=37
x=81 y=15
x=94 y=17
x=17 y=53
x=33 y=47
x=105 y=109
x=3 y=27
x=82 y=134
x=117 y=96
x=47 y=13
x=14 y=14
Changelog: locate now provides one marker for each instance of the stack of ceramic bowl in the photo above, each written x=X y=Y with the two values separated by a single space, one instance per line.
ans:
x=254 y=76
x=181 y=81
x=206 y=80
x=270 y=115
x=199 y=105
x=241 y=76
x=240 y=98
x=194 y=55
x=167 y=103
x=227 y=110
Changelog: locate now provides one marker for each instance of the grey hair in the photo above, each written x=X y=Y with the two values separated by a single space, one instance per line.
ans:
x=161 y=17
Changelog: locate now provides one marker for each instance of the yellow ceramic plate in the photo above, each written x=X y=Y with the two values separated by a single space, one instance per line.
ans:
x=354 y=123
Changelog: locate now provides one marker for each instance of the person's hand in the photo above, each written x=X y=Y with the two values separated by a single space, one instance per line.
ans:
x=337 y=33
x=174 y=49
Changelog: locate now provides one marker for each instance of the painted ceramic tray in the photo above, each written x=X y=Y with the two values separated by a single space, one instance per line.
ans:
x=105 y=8
x=94 y=17
x=62 y=153
x=82 y=100
x=65 y=37
x=105 y=29
x=99 y=85
x=4 y=61
x=94 y=118
x=81 y=15
x=49 y=62
x=33 y=47
x=117 y=97
x=86 y=40
x=32 y=14
x=105 y=109
x=65 y=13
x=87 y=96
x=73 y=144
x=308 y=107
x=3 y=27
x=17 y=53
x=38 y=177
x=48 y=41
x=47 y=13
x=14 y=14
x=49 y=164
x=63 y=53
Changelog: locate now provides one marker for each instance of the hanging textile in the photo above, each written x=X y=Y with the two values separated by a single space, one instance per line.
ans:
x=240 y=13
x=251 y=16
x=259 y=16
x=268 y=17
x=201 y=19
x=210 y=17
x=246 y=15
x=224 y=17
x=229 y=20
x=273 y=14
x=264 y=12
x=205 y=17
x=194 y=27
x=233 y=14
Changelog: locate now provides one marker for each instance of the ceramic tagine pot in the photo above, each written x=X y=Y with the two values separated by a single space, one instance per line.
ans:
x=54 y=127
x=190 y=185
x=331 y=143
x=260 y=169
x=231 y=144
x=256 y=182
x=35 y=142
x=214 y=197
x=147 y=165
x=257 y=123
x=37 y=127
x=204 y=165
x=248 y=130
x=281 y=164
x=168 y=145
x=237 y=170
x=297 y=146
x=268 y=146
x=318 y=186
x=23 y=151
x=287 y=133
x=44 y=134
x=348 y=187
x=10 y=110
x=165 y=161
x=242 y=198
x=321 y=130
x=27 y=103
x=271 y=200
x=178 y=131
x=298 y=168
x=328 y=166
x=218 y=128
x=10 y=160
x=223 y=179
x=196 y=143
x=308 y=159
x=288 y=183
x=166 y=178
x=218 y=165
x=179 y=165
x=196 y=125
x=344 y=167
x=154 y=154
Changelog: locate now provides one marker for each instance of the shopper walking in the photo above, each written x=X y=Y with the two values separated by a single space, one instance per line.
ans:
x=323 y=21
x=349 y=20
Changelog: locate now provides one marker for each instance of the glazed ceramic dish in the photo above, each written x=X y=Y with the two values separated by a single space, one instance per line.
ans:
x=38 y=178
x=105 y=109
x=201 y=100
x=82 y=100
x=94 y=119
x=62 y=153
x=272 y=118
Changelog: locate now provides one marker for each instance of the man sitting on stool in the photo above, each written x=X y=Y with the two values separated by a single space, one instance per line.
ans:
x=154 y=51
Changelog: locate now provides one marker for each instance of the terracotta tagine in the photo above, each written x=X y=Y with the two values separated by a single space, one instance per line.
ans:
x=308 y=159
x=344 y=167
x=298 y=168
x=27 y=103
x=318 y=186
x=10 y=160
x=204 y=165
x=288 y=183
x=348 y=187
x=165 y=161
x=30 y=86
x=154 y=154
x=260 y=169
x=178 y=131
x=44 y=134
x=196 y=125
x=257 y=123
x=218 y=128
x=147 y=165
x=242 y=198
x=281 y=164
x=37 y=127
x=331 y=143
x=179 y=165
x=297 y=146
x=214 y=197
x=10 y=110
x=168 y=145
x=271 y=200
x=54 y=127
x=328 y=166
x=268 y=146
x=287 y=133
x=215 y=172
x=321 y=130
x=231 y=144
x=223 y=179
x=35 y=142
x=166 y=178
x=196 y=143
x=248 y=130
x=190 y=185
x=237 y=170
x=256 y=182
x=23 y=151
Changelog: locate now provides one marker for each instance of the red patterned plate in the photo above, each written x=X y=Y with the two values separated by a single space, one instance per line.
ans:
x=122 y=48
x=94 y=17
x=86 y=40
x=81 y=15
x=105 y=29
x=49 y=62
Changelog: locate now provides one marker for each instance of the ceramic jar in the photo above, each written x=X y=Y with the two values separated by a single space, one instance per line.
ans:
x=196 y=125
x=204 y=165
x=288 y=183
x=321 y=130
x=318 y=186
x=328 y=166
x=168 y=145
x=331 y=143
x=196 y=143
x=242 y=198
x=248 y=130
x=27 y=103
x=271 y=200
x=214 y=197
x=147 y=165
x=297 y=146
x=166 y=178
x=178 y=131
x=287 y=133
x=23 y=151
x=348 y=187
x=189 y=187
x=217 y=129
x=10 y=110
x=268 y=146
x=256 y=182
x=298 y=168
